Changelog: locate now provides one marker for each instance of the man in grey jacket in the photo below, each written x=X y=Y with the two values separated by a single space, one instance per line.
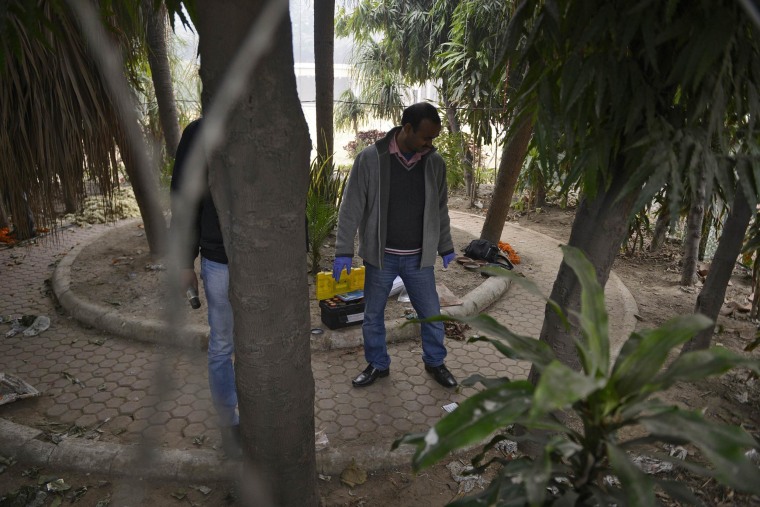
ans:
x=396 y=197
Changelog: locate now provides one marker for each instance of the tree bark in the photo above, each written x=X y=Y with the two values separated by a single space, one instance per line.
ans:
x=324 y=48
x=512 y=158
x=713 y=293
x=693 y=232
x=3 y=213
x=706 y=226
x=145 y=187
x=660 y=227
x=161 y=74
x=259 y=179
x=609 y=212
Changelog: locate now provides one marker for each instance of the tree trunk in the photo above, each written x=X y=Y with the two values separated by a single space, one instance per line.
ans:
x=711 y=296
x=259 y=179
x=451 y=112
x=4 y=222
x=693 y=232
x=145 y=187
x=660 y=228
x=512 y=159
x=324 y=45
x=540 y=191
x=160 y=70
x=706 y=226
x=606 y=212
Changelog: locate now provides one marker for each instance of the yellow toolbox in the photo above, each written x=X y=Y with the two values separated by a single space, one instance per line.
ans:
x=327 y=287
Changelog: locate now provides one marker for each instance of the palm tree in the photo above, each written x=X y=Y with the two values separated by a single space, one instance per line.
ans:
x=59 y=123
x=158 y=57
x=48 y=79
x=349 y=111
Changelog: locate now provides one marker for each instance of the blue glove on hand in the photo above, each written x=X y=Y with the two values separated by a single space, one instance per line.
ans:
x=447 y=259
x=338 y=266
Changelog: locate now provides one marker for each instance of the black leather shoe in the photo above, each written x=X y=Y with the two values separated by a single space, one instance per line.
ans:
x=442 y=375
x=368 y=376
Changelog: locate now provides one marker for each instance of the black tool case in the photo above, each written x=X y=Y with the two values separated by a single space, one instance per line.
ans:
x=337 y=314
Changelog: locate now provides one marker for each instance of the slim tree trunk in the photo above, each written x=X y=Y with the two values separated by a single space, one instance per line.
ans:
x=259 y=179
x=660 y=227
x=512 y=159
x=145 y=187
x=3 y=213
x=711 y=296
x=607 y=212
x=693 y=232
x=324 y=45
x=540 y=191
x=160 y=70
x=706 y=226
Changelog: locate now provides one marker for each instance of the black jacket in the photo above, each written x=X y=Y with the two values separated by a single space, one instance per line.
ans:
x=206 y=233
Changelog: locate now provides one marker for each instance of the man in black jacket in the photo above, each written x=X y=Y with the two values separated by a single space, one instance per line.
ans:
x=206 y=238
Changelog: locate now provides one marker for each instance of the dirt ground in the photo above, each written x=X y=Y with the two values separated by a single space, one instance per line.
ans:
x=119 y=270
x=653 y=280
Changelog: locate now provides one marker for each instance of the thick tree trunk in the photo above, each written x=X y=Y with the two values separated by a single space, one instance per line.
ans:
x=158 y=59
x=693 y=232
x=259 y=180
x=711 y=296
x=660 y=228
x=324 y=45
x=511 y=163
x=599 y=229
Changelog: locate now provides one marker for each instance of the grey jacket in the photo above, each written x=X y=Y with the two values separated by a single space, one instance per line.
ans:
x=365 y=206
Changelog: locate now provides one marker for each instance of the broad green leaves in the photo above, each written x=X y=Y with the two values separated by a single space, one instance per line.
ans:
x=602 y=401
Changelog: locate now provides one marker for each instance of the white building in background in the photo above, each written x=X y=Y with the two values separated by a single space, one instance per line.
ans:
x=302 y=18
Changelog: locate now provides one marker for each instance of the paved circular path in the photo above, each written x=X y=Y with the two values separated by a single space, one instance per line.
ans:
x=122 y=392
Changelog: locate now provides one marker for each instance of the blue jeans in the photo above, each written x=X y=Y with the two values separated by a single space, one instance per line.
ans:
x=221 y=347
x=420 y=284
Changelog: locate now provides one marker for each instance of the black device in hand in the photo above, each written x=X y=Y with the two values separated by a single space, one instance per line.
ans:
x=192 y=296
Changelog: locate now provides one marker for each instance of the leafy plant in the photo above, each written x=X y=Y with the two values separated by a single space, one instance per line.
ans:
x=322 y=204
x=451 y=148
x=575 y=459
x=363 y=139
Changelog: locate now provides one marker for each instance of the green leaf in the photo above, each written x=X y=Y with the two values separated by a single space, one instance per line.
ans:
x=595 y=352
x=642 y=362
x=537 y=478
x=512 y=345
x=475 y=419
x=700 y=364
x=724 y=446
x=559 y=387
x=530 y=287
x=678 y=491
x=638 y=487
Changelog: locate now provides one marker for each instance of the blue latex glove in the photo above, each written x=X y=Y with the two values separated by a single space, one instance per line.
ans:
x=339 y=264
x=447 y=259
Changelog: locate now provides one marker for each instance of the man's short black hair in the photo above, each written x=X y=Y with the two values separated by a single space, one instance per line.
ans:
x=415 y=113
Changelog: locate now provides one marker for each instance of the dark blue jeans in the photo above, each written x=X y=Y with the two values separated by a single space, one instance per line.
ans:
x=221 y=347
x=420 y=285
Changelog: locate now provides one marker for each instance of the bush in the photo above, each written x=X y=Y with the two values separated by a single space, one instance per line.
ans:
x=363 y=139
x=575 y=465
x=322 y=204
